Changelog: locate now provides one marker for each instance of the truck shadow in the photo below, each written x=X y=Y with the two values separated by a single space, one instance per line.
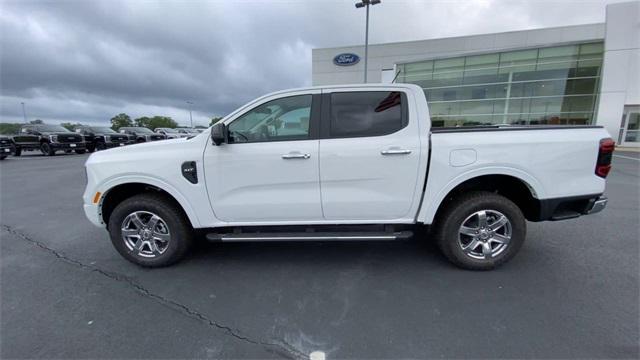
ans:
x=309 y=254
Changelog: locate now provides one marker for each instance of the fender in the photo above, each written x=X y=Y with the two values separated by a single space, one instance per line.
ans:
x=110 y=183
x=432 y=201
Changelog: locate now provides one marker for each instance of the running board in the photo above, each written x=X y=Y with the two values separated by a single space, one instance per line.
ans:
x=310 y=236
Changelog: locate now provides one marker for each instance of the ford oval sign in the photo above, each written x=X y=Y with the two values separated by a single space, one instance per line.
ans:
x=346 y=59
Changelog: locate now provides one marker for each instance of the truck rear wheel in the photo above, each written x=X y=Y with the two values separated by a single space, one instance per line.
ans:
x=150 y=230
x=480 y=230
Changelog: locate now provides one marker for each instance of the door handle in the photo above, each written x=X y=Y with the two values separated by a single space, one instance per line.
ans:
x=295 y=156
x=395 y=152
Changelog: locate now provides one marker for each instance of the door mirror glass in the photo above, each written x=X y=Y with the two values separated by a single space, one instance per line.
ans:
x=219 y=133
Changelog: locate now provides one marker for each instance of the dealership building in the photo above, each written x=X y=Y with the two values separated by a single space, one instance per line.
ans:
x=583 y=74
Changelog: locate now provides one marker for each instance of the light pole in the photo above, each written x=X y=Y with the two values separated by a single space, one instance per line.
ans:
x=359 y=5
x=24 y=113
x=190 y=116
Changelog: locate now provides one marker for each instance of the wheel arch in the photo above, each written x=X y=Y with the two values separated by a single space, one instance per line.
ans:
x=119 y=190
x=523 y=190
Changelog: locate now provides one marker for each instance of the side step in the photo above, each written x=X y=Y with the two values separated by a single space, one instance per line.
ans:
x=310 y=236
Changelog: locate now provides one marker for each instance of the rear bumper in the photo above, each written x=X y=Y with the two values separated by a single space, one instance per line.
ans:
x=598 y=205
x=571 y=207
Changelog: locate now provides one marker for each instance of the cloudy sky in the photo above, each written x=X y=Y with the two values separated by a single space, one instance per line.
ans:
x=86 y=61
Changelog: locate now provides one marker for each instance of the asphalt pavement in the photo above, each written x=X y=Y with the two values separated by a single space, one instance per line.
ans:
x=572 y=292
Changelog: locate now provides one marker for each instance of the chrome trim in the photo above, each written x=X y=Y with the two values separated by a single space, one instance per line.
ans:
x=395 y=152
x=598 y=205
x=295 y=156
x=299 y=238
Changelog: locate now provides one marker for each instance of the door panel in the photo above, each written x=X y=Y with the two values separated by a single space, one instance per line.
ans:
x=367 y=177
x=252 y=182
x=268 y=171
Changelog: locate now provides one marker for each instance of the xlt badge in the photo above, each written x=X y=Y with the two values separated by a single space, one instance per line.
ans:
x=190 y=171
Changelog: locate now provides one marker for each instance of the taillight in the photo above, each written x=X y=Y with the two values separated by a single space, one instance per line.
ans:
x=603 y=166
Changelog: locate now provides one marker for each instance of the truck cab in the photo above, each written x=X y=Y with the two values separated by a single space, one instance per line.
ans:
x=102 y=137
x=141 y=134
x=357 y=162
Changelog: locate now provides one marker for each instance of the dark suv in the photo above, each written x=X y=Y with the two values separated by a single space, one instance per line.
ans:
x=52 y=138
x=6 y=147
x=102 y=137
x=141 y=134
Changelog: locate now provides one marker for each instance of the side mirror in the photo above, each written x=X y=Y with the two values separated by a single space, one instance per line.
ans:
x=219 y=133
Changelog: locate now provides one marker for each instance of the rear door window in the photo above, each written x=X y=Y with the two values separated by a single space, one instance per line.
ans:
x=366 y=113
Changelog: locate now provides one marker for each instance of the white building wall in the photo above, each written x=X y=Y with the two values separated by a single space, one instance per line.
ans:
x=620 y=71
x=385 y=56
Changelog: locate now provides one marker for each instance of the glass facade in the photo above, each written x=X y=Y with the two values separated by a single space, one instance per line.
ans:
x=551 y=85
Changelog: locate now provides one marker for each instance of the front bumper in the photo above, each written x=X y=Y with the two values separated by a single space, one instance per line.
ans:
x=110 y=144
x=68 y=146
x=7 y=150
x=92 y=212
x=28 y=146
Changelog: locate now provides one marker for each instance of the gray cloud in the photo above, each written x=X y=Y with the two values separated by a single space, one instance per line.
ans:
x=89 y=60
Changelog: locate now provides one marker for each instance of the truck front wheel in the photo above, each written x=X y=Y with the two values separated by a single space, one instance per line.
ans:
x=46 y=149
x=480 y=230
x=149 y=230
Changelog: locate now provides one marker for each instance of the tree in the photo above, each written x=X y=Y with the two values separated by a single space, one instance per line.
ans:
x=214 y=120
x=10 y=128
x=69 y=126
x=156 y=122
x=120 y=120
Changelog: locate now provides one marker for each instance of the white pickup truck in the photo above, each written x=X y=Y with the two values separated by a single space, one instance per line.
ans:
x=358 y=162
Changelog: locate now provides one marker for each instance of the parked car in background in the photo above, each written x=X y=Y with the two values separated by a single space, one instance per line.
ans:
x=188 y=131
x=170 y=133
x=347 y=163
x=141 y=134
x=6 y=147
x=102 y=137
x=51 y=138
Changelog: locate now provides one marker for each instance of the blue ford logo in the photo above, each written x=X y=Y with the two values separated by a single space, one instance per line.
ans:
x=346 y=59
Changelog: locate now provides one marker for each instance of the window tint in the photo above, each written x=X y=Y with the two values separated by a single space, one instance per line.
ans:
x=276 y=120
x=371 y=113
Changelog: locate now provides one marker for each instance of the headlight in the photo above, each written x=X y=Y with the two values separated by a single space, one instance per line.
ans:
x=53 y=138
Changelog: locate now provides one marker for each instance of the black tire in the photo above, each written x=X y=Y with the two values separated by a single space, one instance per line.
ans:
x=463 y=208
x=176 y=222
x=91 y=148
x=140 y=140
x=81 y=151
x=18 y=152
x=46 y=149
x=100 y=146
x=2 y=157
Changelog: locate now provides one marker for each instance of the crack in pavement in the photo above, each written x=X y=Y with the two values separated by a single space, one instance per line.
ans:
x=278 y=347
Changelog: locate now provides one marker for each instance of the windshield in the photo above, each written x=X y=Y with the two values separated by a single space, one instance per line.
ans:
x=143 y=130
x=168 y=130
x=50 y=128
x=103 y=129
